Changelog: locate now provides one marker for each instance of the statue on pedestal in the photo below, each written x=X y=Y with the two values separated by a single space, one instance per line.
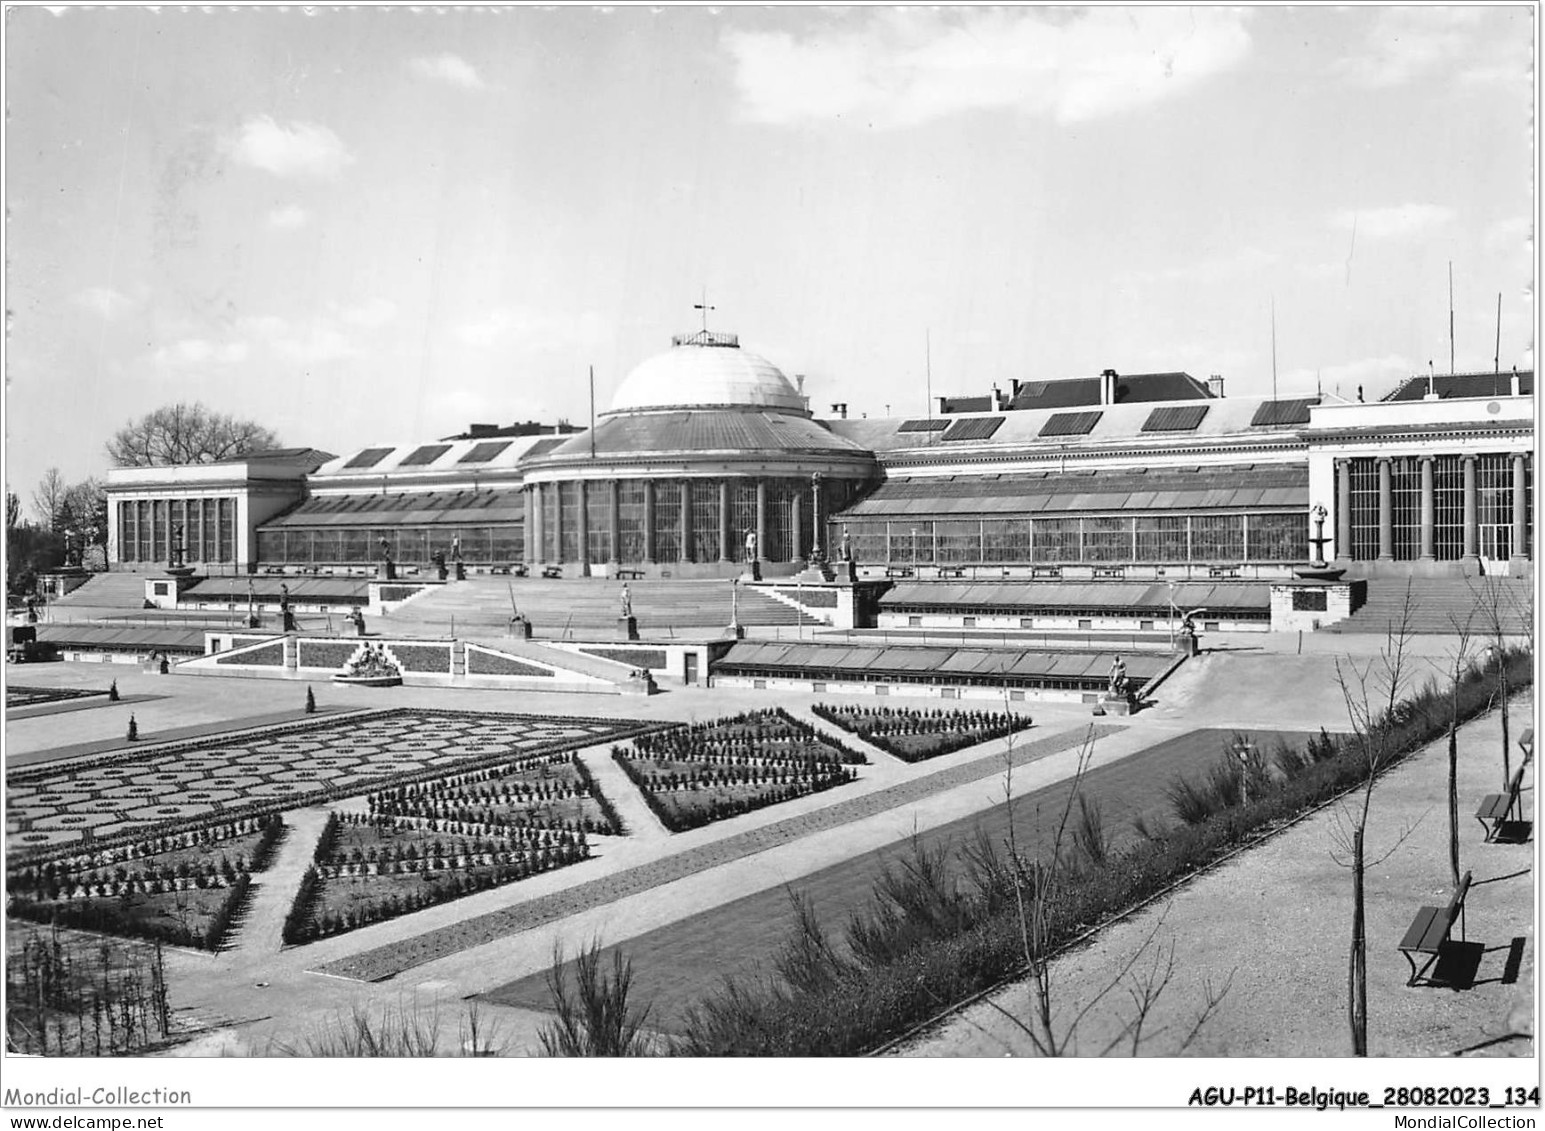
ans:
x=1119 y=687
x=627 y=601
x=847 y=545
x=285 y=612
x=357 y=619
x=388 y=570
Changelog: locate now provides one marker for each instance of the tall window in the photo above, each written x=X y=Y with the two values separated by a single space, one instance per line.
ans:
x=742 y=516
x=1494 y=505
x=630 y=520
x=1057 y=540
x=227 y=530
x=959 y=541
x=1405 y=475
x=1279 y=538
x=1107 y=539
x=1217 y=538
x=1448 y=482
x=1365 y=509
x=1006 y=540
x=1161 y=538
x=667 y=521
x=705 y=520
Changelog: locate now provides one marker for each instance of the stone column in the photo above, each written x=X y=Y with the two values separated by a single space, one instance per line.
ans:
x=1344 y=510
x=1472 y=513
x=815 y=514
x=686 y=520
x=1520 y=507
x=724 y=520
x=584 y=527
x=649 y=521
x=796 y=528
x=1386 y=512
x=761 y=519
x=1429 y=511
x=556 y=491
x=533 y=531
x=616 y=520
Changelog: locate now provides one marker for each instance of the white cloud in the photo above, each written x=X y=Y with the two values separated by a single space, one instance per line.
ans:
x=108 y=303
x=299 y=150
x=1513 y=234
x=288 y=217
x=199 y=352
x=484 y=331
x=1396 y=222
x=314 y=344
x=535 y=331
x=1405 y=43
x=910 y=66
x=1213 y=269
x=369 y=315
x=447 y=68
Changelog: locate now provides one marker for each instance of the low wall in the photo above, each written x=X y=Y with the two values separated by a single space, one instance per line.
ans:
x=934 y=691
x=1304 y=606
x=1016 y=622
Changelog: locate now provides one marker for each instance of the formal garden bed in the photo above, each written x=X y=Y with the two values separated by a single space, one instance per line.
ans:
x=916 y=735
x=372 y=867
x=694 y=775
x=184 y=889
x=16 y=696
x=555 y=791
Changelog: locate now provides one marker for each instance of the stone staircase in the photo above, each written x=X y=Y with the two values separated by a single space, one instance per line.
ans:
x=1438 y=604
x=555 y=608
x=107 y=591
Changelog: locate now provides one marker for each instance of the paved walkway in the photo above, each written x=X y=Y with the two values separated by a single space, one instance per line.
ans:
x=273 y=889
x=638 y=819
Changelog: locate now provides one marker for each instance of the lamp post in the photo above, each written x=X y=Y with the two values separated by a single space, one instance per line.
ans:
x=1243 y=752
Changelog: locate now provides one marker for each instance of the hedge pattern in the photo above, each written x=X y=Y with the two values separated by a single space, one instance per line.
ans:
x=480 y=662
x=271 y=655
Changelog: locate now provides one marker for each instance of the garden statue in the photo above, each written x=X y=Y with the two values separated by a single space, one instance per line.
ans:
x=847 y=545
x=751 y=546
x=627 y=601
x=1118 y=679
x=388 y=572
x=178 y=549
x=286 y=614
x=1320 y=515
x=456 y=548
x=358 y=619
x=386 y=550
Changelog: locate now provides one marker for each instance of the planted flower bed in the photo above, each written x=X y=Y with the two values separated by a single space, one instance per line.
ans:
x=917 y=735
x=552 y=792
x=693 y=775
x=182 y=889
x=372 y=867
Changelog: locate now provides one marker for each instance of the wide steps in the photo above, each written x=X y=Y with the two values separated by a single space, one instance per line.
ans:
x=1437 y=606
x=555 y=606
x=108 y=591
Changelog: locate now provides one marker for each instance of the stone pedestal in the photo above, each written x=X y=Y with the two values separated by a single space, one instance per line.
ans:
x=1116 y=706
x=520 y=628
x=387 y=571
x=756 y=571
x=289 y=621
x=461 y=571
x=443 y=572
x=627 y=628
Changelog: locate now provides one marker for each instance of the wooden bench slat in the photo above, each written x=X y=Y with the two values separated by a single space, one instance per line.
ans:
x=1421 y=927
x=1494 y=805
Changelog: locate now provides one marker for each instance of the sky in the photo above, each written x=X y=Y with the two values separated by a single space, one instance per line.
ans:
x=380 y=225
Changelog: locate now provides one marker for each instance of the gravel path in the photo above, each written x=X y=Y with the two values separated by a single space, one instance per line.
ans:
x=273 y=890
x=394 y=958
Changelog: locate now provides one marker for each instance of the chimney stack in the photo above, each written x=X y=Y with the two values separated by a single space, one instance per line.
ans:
x=1215 y=385
x=1000 y=401
x=841 y=410
x=944 y=405
x=1108 y=386
x=1515 y=381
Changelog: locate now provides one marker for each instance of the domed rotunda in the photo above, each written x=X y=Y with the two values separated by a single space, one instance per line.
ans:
x=708 y=456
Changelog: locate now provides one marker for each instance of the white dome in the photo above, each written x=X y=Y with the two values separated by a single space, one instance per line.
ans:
x=707 y=369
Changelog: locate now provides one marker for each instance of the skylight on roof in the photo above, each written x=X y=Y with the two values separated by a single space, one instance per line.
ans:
x=972 y=428
x=1274 y=413
x=931 y=425
x=1175 y=418
x=1070 y=423
x=427 y=454
x=482 y=453
x=369 y=457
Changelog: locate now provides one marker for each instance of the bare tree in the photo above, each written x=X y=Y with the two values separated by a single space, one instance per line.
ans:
x=48 y=498
x=1498 y=610
x=1462 y=662
x=12 y=510
x=1371 y=693
x=1039 y=885
x=184 y=433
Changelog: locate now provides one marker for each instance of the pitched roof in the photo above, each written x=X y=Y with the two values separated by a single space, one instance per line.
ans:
x=1464 y=385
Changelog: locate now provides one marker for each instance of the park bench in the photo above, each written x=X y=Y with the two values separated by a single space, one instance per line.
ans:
x=898 y=571
x=1223 y=571
x=1110 y=573
x=1496 y=808
x=552 y=572
x=1526 y=744
x=630 y=575
x=1048 y=573
x=951 y=571
x=1430 y=930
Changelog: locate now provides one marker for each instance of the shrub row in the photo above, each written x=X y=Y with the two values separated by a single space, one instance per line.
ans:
x=949 y=730
x=108 y=917
x=678 y=819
